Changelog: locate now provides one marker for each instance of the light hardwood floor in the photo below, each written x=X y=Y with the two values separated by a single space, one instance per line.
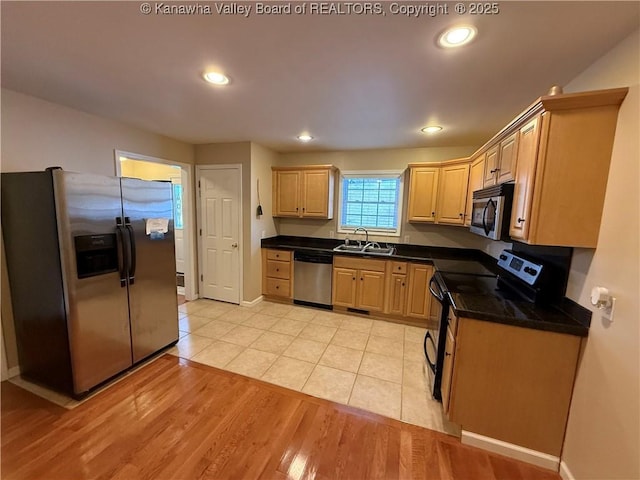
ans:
x=179 y=419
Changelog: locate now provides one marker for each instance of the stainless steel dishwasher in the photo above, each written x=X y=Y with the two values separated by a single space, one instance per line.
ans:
x=312 y=278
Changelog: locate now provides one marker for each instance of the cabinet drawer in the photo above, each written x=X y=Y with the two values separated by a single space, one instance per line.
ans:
x=278 y=269
x=453 y=321
x=398 y=267
x=281 y=255
x=278 y=287
x=359 y=263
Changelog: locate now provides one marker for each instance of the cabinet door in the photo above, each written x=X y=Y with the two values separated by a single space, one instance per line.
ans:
x=315 y=194
x=452 y=194
x=397 y=294
x=371 y=291
x=476 y=182
x=286 y=188
x=525 y=175
x=490 y=167
x=447 y=370
x=344 y=287
x=508 y=157
x=419 y=297
x=423 y=193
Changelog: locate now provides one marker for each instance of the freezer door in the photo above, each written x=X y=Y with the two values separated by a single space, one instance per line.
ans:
x=98 y=319
x=153 y=301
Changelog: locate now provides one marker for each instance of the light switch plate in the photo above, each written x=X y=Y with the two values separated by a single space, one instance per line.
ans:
x=332 y=234
x=406 y=239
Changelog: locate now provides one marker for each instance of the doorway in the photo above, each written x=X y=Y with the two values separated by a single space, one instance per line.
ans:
x=179 y=174
x=220 y=231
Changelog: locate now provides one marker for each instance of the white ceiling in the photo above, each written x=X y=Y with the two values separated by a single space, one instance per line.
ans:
x=352 y=81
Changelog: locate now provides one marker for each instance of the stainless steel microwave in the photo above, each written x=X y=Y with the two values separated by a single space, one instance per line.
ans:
x=491 y=211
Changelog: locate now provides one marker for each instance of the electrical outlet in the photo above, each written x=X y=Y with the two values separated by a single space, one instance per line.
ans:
x=406 y=239
x=332 y=234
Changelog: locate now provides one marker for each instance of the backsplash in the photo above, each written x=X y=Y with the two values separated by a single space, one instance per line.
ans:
x=419 y=234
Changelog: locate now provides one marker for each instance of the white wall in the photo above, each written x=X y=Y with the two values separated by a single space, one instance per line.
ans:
x=603 y=433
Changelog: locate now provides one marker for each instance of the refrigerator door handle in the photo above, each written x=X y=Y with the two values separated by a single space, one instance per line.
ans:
x=132 y=251
x=122 y=253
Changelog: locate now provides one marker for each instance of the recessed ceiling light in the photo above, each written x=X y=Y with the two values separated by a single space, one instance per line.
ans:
x=431 y=129
x=457 y=36
x=305 y=137
x=216 y=78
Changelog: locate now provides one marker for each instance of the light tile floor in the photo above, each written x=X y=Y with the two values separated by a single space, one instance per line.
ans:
x=370 y=364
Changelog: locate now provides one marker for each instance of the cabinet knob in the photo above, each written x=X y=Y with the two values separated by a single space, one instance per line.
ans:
x=520 y=220
x=403 y=284
x=447 y=354
x=353 y=278
x=361 y=279
x=494 y=170
x=277 y=287
x=433 y=213
x=462 y=215
x=277 y=269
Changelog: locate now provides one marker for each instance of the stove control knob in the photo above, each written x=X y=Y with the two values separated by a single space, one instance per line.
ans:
x=530 y=271
x=503 y=257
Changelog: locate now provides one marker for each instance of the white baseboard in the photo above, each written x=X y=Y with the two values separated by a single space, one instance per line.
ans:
x=565 y=473
x=181 y=291
x=252 y=303
x=13 y=372
x=510 y=450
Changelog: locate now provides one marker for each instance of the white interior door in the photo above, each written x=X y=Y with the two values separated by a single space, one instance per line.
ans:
x=220 y=233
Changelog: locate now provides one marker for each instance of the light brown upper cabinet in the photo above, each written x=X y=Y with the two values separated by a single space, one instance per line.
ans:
x=305 y=192
x=500 y=163
x=438 y=193
x=452 y=194
x=423 y=193
x=563 y=157
x=476 y=182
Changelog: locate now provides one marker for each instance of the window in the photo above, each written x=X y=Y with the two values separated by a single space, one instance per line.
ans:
x=177 y=206
x=372 y=200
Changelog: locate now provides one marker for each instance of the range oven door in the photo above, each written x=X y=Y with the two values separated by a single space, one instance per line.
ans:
x=433 y=340
x=486 y=217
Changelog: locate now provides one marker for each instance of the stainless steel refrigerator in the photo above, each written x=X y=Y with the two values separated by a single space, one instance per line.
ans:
x=91 y=266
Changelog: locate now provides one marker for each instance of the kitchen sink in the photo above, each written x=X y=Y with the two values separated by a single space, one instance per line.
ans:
x=379 y=250
x=370 y=249
x=349 y=248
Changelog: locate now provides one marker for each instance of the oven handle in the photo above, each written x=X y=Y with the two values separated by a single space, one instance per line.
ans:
x=431 y=364
x=433 y=285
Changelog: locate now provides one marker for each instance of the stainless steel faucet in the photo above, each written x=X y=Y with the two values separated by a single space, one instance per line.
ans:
x=366 y=240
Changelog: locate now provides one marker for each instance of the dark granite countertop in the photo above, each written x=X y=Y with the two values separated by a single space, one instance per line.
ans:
x=520 y=313
x=416 y=253
x=568 y=317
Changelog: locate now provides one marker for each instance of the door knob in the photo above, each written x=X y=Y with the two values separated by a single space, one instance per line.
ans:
x=234 y=245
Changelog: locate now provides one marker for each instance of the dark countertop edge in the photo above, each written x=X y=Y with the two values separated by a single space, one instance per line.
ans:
x=577 y=330
x=404 y=252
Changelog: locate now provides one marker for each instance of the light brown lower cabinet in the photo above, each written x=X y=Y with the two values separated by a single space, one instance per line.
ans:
x=277 y=273
x=418 y=296
x=510 y=383
x=359 y=283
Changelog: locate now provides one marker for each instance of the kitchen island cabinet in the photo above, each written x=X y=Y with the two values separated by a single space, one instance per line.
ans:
x=510 y=383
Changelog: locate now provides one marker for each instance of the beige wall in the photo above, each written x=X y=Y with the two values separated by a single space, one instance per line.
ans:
x=234 y=153
x=603 y=433
x=256 y=164
x=37 y=134
x=392 y=159
x=261 y=226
